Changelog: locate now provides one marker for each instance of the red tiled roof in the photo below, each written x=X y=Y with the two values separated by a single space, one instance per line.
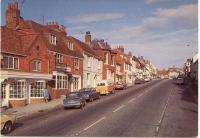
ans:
x=61 y=47
x=11 y=42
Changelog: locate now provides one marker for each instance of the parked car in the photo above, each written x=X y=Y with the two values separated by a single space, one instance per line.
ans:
x=7 y=122
x=139 y=81
x=120 y=85
x=179 y=80
x=75 y=99
x=105 y=87
x=90 y=94
x=146 y=79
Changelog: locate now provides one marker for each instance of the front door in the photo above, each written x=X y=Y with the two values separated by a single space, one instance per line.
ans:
x=4 y=95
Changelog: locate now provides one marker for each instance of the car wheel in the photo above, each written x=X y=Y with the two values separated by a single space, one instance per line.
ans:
x=91 y=99
x=81 y=106
x=7 y=127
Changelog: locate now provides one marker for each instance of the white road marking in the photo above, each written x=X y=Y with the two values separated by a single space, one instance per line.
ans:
x=163 y=113
x=131 y=100
x=117 y=109
x=94 y=123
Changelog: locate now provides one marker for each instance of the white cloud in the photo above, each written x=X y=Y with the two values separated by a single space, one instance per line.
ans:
x=96 y=17
x=164 y=20
x=164 y=35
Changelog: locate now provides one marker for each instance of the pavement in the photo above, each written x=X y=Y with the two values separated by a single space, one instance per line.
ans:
x=146 y=110
x=34 y=108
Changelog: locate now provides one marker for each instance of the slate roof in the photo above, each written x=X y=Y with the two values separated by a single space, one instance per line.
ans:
x=83 y=46
x=100 y=44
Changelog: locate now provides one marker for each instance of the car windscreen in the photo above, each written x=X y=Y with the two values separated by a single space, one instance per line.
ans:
x=73 y=95
x=84 y=90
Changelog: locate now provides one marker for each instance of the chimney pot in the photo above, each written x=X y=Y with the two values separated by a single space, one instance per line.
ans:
x=88 y=38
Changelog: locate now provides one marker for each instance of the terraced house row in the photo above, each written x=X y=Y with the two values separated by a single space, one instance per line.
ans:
x=37 y=56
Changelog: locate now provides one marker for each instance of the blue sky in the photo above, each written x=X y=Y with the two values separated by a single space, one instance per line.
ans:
x=159 y=30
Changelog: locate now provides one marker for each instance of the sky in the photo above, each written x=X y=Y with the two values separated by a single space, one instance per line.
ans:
x=163 y=31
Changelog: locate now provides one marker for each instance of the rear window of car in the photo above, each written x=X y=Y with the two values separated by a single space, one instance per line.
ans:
x=101 y=84
x=73 y=95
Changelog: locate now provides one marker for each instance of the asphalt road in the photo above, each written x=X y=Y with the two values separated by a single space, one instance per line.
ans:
x=136 y=111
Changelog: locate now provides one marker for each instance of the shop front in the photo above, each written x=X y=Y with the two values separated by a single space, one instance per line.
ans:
x=20 y=89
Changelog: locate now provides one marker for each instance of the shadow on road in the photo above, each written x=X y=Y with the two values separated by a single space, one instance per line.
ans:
x=189 y=93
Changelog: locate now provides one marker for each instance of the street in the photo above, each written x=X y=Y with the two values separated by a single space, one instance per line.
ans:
x=140 y=110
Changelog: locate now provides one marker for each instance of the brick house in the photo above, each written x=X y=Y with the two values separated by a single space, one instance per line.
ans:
x=119 y=63
x=35 y=57
x=103 y=49
x=92 y=63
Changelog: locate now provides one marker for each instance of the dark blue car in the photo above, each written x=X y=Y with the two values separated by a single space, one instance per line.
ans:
x=75 y=99
x=90 y=94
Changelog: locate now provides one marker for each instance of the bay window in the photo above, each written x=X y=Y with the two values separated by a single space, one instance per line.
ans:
x=18 y=90
x=60 y=81
x=37 y=90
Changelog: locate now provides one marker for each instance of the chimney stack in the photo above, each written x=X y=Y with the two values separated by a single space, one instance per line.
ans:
x=12 y=15
x=88 y=38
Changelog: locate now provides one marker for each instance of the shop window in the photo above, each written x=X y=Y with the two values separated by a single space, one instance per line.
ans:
x=37 y=89
x=18 y=90
x=60 y=81
x=3 y=91
x=11 y=62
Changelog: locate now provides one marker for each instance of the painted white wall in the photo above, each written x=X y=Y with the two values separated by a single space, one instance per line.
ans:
x=92 y=71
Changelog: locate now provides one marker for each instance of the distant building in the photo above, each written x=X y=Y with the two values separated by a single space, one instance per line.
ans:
x=174 y=72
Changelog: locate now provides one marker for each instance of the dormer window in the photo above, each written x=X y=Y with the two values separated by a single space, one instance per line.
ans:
x=70 y=45
x=53 y=39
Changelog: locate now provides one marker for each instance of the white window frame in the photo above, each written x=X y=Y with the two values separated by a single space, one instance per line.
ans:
x=75 y=83
x=37 y=91
x=75 y=62
x=112 y=60
x=8 y=66
x=61 y=81
x=53 y=39
x=18 y=91
x=89 y=59
x=59 y=58
x=37 y=65
x=3 y=91
x=70 y=45
x=106 y=58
